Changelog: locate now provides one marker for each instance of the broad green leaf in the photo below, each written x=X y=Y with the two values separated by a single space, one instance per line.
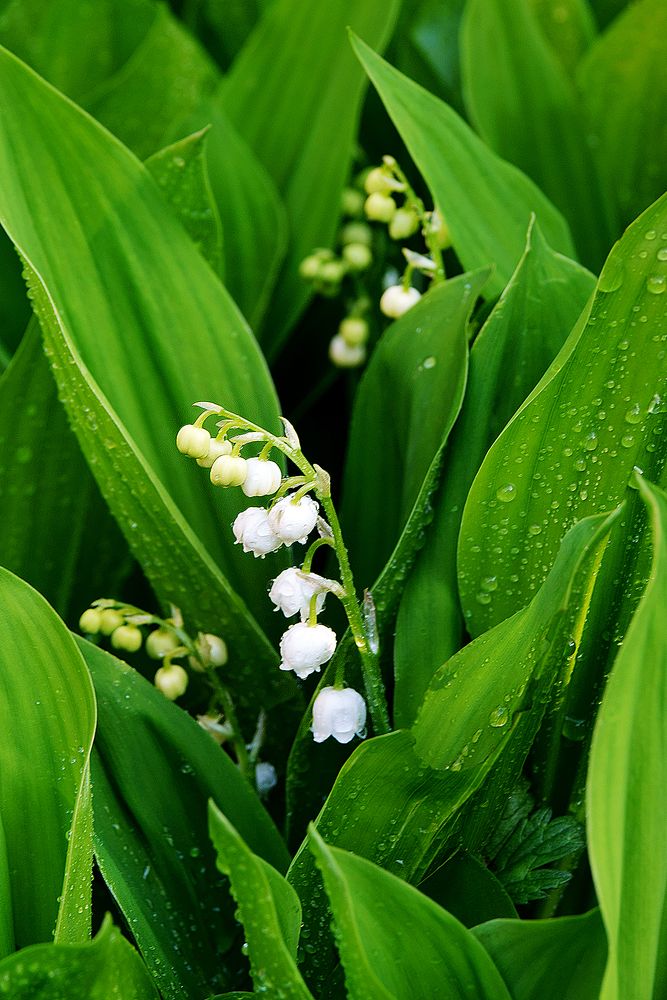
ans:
x=626 y=798
x=557 y=959
x=154 y=770
x=425 y=47
x=568 y=26
x=137 y=356
x=43 y=475
x=468 y=890
x=476 y=695
x=570 y=450
x=107 y=968
x=47 y=721
x=395 y=942
x=606 y=10
x=223 y=29
x=293 y=91
x=177 y=83
x=517 y=343
x=524 y=106
x=624 y=90
x=182 y=175
x=49 y=37
x=486 y=202
x=269 y=910
x=404 y=410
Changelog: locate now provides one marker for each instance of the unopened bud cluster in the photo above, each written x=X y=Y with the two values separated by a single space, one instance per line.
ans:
x=165 y=641
x=290 y=518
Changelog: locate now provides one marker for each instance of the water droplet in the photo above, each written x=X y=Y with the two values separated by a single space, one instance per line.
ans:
x=580 y=464
x=655 y=404
x=429 y=362
x=490 y=583
x=612 y=275
x=535 y=529
x=591 y=441
x=483 y=598
x=499 y=717
x=627 y=440
x=650 y=235
x=656 y=284
x=634 y=414
x=506 y=493
x=662 y=253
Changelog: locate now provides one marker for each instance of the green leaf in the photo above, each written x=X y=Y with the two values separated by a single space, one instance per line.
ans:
x=309 y=100
x=626 y=798
x=404 y=410
x=94 y=288
x=107 y=968
x=561 y=959
x=622 y=81
x=269 y=910
x=568 y=26
x=14 y=306
x=182 y=175
x=524 y=106
x=154 y=770
x=486 y=202
x=394 y=941
x=571 y=448
x=476 y=696
x=520 y=338
x=47 y=718
x=425 y=47
x=468 y=890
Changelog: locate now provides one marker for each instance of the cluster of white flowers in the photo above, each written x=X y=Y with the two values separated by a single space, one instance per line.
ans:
x=307 y=645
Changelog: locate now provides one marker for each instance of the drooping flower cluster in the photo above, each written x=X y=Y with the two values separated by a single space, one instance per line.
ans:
x=290 y=518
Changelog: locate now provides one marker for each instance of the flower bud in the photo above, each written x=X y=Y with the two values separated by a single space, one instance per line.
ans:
x=345 y=355
x=309 y=268
x=212 y=724
x=357 y=232
x=193 y=441
x=110 y=620
x=253 y=531
x=263 y=478
x=357 y=256
x=354 y=330
x=160 y=642
x=441 y=229
x=293 y=520
x=292 y=591
x=405 y=223
x=396 y=300
x=379 y=181
x=212 y=649
x=127 y=637
x=266 y=778
x=304 y=648
x=90 y=621
x=340 y=713
x=379 y=207
x=332 y=272
x=351 y=202
x=172 y=681
x=215 y=450
x=228 y=470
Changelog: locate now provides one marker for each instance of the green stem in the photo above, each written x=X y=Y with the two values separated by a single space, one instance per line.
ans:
x=424 y=217
x=224 y=698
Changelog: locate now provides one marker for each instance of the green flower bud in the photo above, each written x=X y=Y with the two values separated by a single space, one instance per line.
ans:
x=160 y=642
x=379 y=181
x=332 y=272
x=357 y=256
x=404 y=224
x=441 y=229
x=354 y=330
x=216 y=450
x=172 y=681
x=343 y=355
x=193 y=441
x=90 y=621
x=228 y=470
x=379 y=207
x=127 y=637
x=357 y=232
x=110 y=620
x=352 y=202
x=309 y=268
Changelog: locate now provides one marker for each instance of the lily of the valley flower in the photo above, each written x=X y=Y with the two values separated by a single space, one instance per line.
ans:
x=293 y=520
x=293 y=590
x=396 y=300
x=172 y=681
x=253 y=531
x=340 y=713
x=229 y=470
x=263 y=478
x=216 y=450
x=304 y=648
x=345 y=355
x=193 y=441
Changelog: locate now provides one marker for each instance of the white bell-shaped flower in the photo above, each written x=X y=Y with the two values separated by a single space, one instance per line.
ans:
x=216 y=450
x=340 y=713
x=193 y=441
x=396 y=300
x=304 y=648
x=172 y=681
x=292 y=591
x=263 y=478
x=253 y=531
x=293 y=520
x=345 y=355
x=228 y=470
